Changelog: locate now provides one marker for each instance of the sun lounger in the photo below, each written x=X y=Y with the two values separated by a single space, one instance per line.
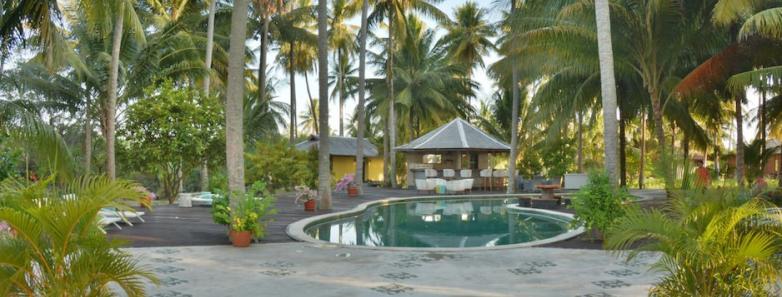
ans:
x=122 y=215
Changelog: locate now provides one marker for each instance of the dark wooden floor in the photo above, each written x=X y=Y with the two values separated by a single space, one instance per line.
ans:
x=171 y=225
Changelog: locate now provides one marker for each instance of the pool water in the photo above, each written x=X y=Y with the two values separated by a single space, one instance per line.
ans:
x=441 y=223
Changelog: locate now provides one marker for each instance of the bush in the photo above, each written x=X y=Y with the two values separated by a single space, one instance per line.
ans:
x=599 y=203
x=713 y=242
x=281 y=166
x=252 y=211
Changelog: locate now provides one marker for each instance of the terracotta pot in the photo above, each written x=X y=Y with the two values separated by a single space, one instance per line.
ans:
x=310 y=205
x=352 y=191
x=240 y=238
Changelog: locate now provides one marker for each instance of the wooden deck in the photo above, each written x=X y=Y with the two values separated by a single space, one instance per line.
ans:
x=171 y=225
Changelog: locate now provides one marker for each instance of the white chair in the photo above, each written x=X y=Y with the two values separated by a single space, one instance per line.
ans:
x=424 y=185
x=465 y=173
x=467 y=184
x=485 y=175
x=105 y=221
x=449 y=173
x=499 y=176
x=202 y=198
x=430 y=172
x=454 y=186
x=122 y=215
x=185 y=200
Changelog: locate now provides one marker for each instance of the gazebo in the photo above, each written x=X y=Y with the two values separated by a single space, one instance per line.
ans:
x=456 y=145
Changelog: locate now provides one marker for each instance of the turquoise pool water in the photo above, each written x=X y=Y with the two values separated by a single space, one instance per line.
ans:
x=441 y=223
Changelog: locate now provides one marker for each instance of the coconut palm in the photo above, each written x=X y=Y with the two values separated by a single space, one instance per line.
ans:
x=58 y=249
x=234 y=135
x=361 y=109
x=713 y=243
x=467 y=40
x=608 y=87
x=341 y=39
x=309 y=121
x=324 y=164
x=394 y=12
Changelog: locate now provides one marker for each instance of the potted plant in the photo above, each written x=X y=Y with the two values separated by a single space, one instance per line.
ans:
x=307 y=196
x=246 y=220
x=353 y=189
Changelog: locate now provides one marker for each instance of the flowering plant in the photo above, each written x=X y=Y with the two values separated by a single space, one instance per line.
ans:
x=251 y=211
x=342 y=184
x=304 y=194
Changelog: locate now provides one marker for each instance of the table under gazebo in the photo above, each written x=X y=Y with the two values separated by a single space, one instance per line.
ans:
x=455 y=151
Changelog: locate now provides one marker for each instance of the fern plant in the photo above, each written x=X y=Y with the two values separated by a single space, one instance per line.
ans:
x=713 y=243
x=56 y=247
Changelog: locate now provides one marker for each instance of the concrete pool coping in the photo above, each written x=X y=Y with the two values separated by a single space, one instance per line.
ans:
x=296 y=229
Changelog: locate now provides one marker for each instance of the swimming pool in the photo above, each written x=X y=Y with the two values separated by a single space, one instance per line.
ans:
x=436 y=222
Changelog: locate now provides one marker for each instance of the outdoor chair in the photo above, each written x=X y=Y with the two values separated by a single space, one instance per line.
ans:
x=105 y=221
x=423 y=185
x=485 y=175
x=467 y=183
x=122 y=215
x=449 y=173
x=464 y=173
x=202 y=198
x=430 y=173
x=454 y=186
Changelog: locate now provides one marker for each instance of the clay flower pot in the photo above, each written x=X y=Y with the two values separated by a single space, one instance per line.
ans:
x=310 y=205
x=352 y=191
x=240 y=238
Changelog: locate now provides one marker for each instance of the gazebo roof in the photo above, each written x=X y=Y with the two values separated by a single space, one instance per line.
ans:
x=457 y=135
x=340 y=146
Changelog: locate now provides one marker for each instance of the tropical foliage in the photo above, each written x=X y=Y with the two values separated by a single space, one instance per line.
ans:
x=56 y=247
x=599 y=204
x=713 y=243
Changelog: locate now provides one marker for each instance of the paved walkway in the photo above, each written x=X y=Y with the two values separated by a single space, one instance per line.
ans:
x=303 y=269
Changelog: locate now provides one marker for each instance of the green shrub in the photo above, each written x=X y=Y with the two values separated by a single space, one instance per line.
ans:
x=221 y=213
x=252 y=211
x=282 y=167
x=714 y=242
x=599 y=203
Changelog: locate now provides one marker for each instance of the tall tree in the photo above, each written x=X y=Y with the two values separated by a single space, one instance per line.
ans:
x=210 y=34
x=234 y=135
x=467 y=40
x=361 y=109
x=324 y=164
x=608 y=87
x=514 y=130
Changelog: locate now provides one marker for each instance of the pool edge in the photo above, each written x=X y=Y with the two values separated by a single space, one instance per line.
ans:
x=296 y=232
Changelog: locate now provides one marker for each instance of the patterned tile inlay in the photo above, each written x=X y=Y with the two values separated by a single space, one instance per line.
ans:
x=167 y=251
x=600 y=294
x=611 y=284
x=642 y=259
x=172 y=294
x=165 y=260
x=392 y=289
x=278 y=272
x=277 y=264
x=525 y=270
x=404 y=264
x=168 y=269
x=541 y=264
x=398 y=276
x=172 y=281
x=623 y=273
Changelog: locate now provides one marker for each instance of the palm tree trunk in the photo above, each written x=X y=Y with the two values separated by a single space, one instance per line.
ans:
x=262 y=58
x=111 y=104
x=580 y=153
x=210 y=32
x=739 y=142
x=386 y=155
x=362 y=61
x=87 y=136
x=608 y=86
x=685 y=160
x=324 y=164
x=312 y=103
x=514 y=126
x=622 y=152
x=762 y=121
x=292 y=125
x=392 y=102
x=234 y=140
x=341 y=95
x=642 y=159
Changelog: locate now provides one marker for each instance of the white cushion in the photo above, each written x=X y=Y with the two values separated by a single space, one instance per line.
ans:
x=430 y=173
x=465 y=173
x=449 y=173
x=485 y=172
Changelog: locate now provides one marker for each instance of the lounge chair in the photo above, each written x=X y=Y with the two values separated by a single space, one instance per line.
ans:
x=424 y=185
x=202 y=198
x=123 y=215
x=105 y=221
x=449 y=173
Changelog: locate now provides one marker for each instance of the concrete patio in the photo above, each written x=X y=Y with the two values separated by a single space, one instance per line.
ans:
x=303 y=269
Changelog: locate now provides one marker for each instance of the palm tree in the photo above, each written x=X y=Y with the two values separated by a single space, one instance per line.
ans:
x=264 y=9
x=608 y=87
x=210 y=33
x=394 y=11
x=361 y=111
x=234 y=135
x=467 y=40
x=324 y=164
x=62 y=251
x=341 y=38
x=309 y=120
